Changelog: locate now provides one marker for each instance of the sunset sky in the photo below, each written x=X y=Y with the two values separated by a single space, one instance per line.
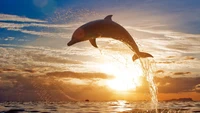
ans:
x=36 y=63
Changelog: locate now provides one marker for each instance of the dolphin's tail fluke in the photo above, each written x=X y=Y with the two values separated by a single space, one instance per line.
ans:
x=141 y=55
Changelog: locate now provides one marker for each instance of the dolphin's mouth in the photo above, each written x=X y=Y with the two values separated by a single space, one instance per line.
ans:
x=71 y=42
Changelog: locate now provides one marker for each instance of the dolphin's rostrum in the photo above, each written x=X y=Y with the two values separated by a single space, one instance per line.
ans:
x=108 y=29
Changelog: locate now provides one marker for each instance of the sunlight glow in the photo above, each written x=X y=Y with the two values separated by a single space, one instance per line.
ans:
x=127 y=76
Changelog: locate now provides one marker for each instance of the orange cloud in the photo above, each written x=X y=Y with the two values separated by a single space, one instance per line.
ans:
x=176 y=85
x=29 y=70
x=9 y=69
x=160 y=71
x=69 y=74
x=197 y=88
x=182 y=73
x=16 y=86
x=189 y=58
x=19 y=87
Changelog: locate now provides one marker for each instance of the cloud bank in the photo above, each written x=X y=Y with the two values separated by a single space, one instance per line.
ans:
x=57 y=86
x=36 y=62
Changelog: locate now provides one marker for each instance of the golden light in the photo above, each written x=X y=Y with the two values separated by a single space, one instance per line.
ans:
x=127 y=76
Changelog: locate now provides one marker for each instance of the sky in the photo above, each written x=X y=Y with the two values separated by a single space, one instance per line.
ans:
x=36 y=63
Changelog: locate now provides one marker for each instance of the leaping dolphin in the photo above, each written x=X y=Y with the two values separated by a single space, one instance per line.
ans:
x=108 y=29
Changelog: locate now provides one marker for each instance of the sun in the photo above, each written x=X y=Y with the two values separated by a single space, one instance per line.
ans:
x=127 y=76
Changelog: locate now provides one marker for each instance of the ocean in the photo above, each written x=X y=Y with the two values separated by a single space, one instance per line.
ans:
x=99 y=107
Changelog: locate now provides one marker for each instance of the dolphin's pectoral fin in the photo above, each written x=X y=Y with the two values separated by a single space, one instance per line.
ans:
x=93 y=42
x=109 y=17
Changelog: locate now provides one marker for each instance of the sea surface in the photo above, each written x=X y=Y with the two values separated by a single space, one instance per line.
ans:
x=98 y=107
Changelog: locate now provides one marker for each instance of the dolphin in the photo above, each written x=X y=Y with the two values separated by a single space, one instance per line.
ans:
x=108 y=29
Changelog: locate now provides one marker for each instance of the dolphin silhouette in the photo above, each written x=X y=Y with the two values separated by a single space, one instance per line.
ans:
x=108 y=29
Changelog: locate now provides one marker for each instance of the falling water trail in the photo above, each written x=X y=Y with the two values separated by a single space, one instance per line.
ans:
x=148 y=71
x=148 y=67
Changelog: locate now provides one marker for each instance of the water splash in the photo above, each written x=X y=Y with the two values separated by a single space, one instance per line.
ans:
x=148 y=68
x=148 y=71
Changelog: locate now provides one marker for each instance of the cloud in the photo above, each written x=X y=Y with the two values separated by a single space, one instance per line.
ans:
x=171 y=56
x=176 y=85
x=69 y=26
x=169 y=84
x=197 y=88
x=39 y=58
x=49 y=88
x=151 y=36
x=36 y=27
x=9 y=69
x=45 y=87
x=166 y=62
x=69 y=74
x=44 y=59
x=170 y=34
x=189 y=58
x=182 y=73
x=9 y=38
x=7 y=17
x=182 y=63
x=162 y=40
x=159 y=71
x=48 y=53
x=31 y=88
x=21 y=28
x=50 y=58
x=11 y=25
x=30 y=70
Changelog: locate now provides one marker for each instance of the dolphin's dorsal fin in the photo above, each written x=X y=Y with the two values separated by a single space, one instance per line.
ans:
x=93 y=42
x=109 y=17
